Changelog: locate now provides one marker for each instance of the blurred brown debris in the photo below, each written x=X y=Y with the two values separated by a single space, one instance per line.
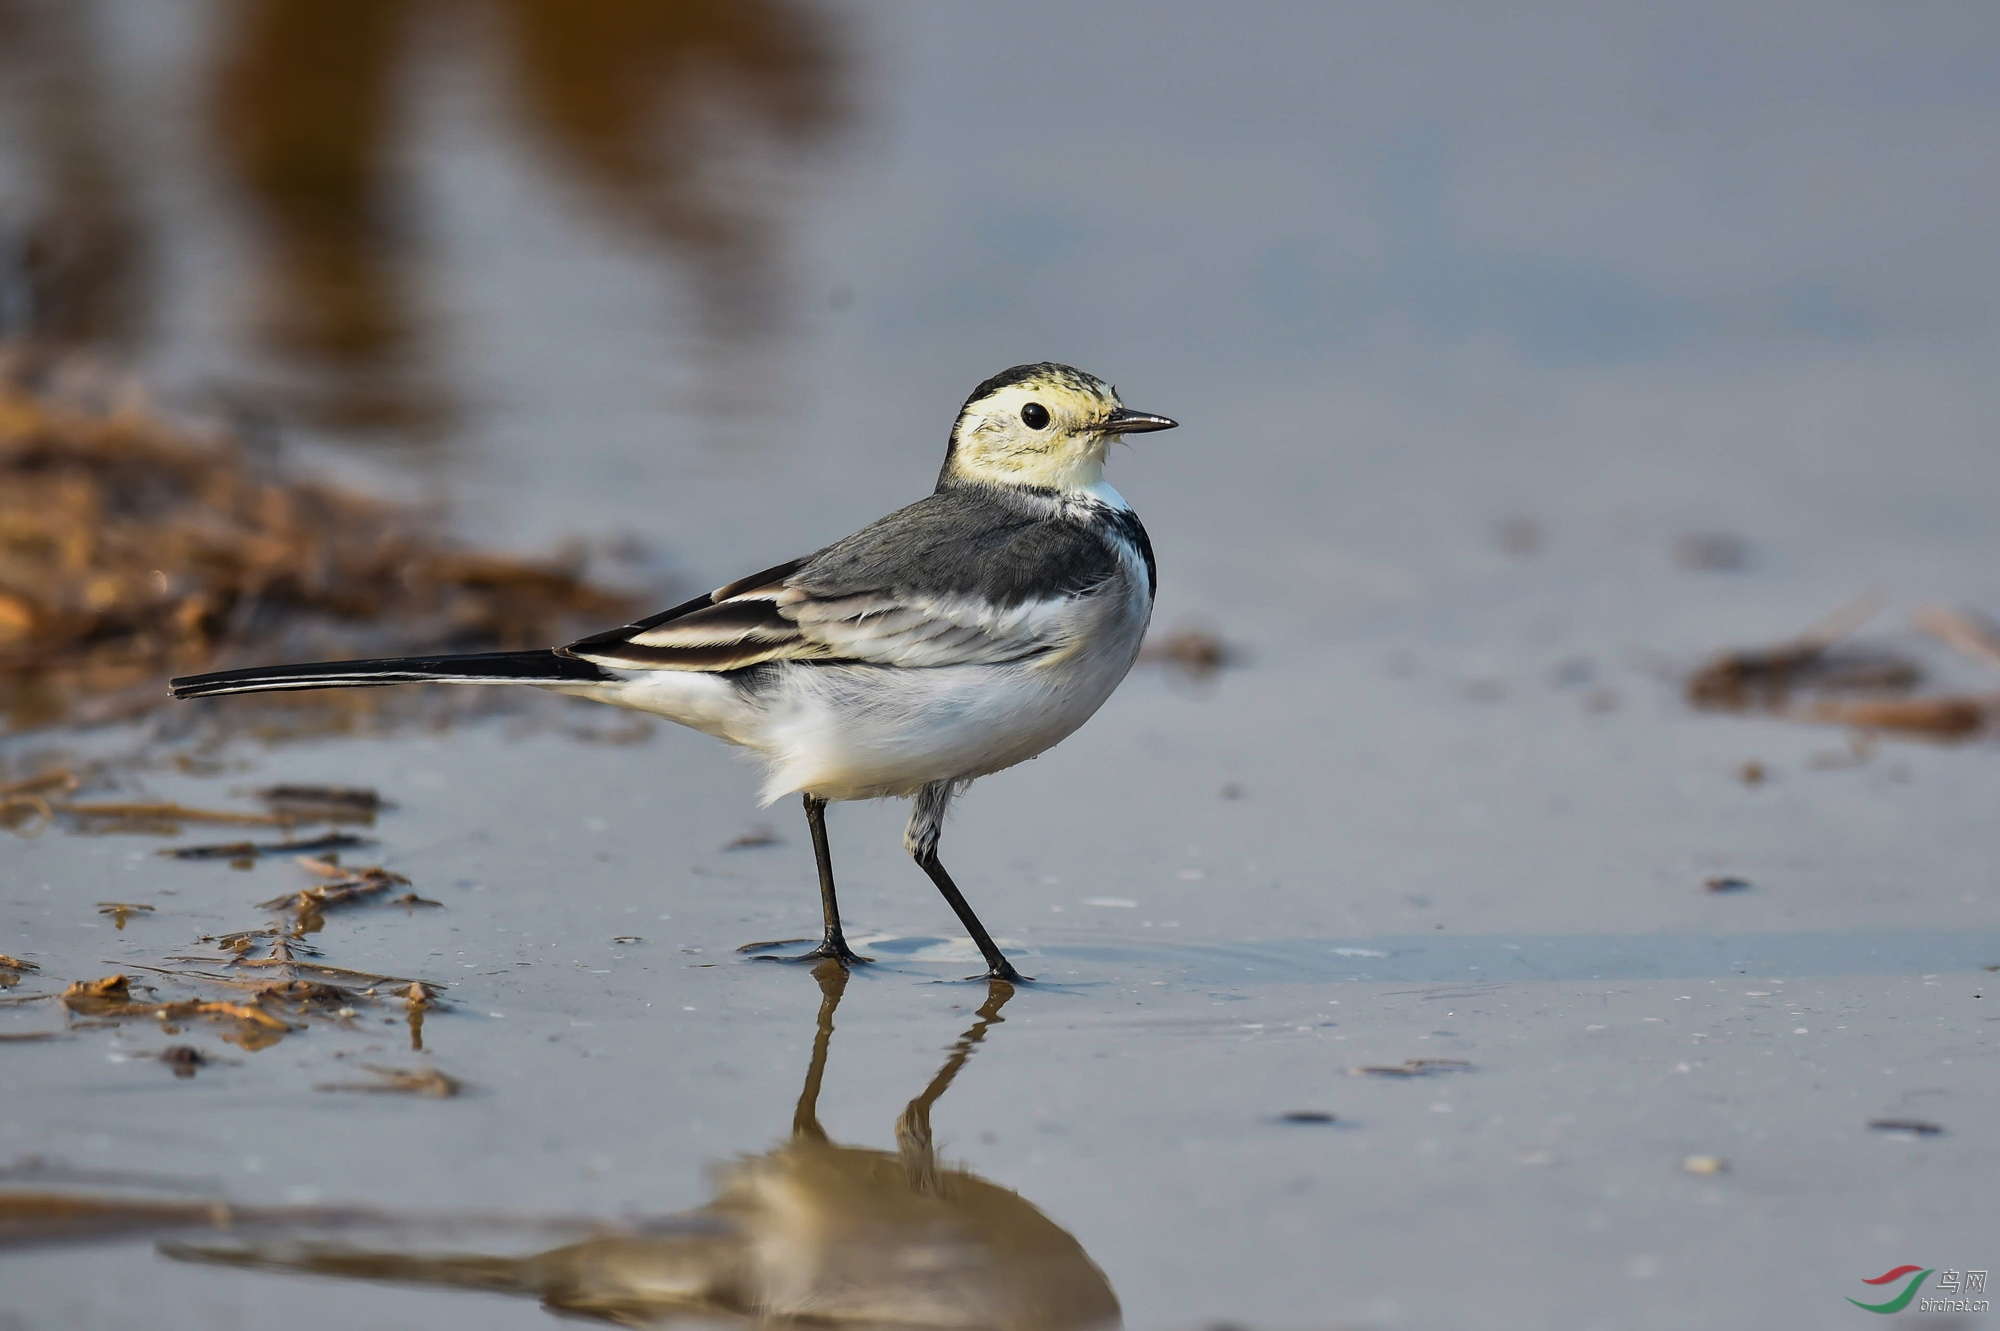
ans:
x=1817 y=663
x=24 y=804
x=184 y=1059
x=1767 y=676
x=150 y=814
x=1908 y=1127
x=12 y=969
x=1940 y=718
x=757 y=838
x=240 y=852
x=400 y=1081
x=132 y=549
x=325 y=804
x=1198 y=653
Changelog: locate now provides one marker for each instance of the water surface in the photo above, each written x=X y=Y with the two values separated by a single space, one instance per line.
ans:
x=1470 y=318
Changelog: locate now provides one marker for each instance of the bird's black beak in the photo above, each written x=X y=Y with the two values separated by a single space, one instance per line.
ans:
x=1126 y=421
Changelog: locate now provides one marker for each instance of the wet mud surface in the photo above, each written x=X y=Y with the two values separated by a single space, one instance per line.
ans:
x=1156 y=1091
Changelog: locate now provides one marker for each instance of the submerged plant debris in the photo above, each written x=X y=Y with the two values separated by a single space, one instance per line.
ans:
x=184 y=1059
x=424 y=1081
x=1814 y=661
x=1940 y=718
x=156 y=817
x=111 y=999
x=121 y=911
x=325 y=804
x=133 y=547
x=349 y=886
x=235 y=851
x=1819 y=677
x=1909 y=1127
x=94 y=998
x=253 y=1001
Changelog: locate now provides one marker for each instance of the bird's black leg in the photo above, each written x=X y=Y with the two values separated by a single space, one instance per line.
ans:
x=920 y=838
x=997 y=965
x=834 y=943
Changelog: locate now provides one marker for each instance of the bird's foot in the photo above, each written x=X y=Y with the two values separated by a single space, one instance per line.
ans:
x=1003 y=971
x=836 y=949
x=828 y=949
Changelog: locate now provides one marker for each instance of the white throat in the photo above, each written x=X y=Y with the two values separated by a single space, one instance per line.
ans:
x=1104 y=494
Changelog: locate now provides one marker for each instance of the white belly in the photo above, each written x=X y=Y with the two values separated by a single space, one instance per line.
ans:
x=860 y=732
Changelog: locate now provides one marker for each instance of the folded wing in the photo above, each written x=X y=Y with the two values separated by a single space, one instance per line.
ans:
x=921 y=588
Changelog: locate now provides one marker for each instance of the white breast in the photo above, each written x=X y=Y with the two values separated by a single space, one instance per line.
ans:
x=862 y=732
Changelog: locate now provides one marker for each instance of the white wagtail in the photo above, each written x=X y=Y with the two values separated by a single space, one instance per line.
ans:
x=967 y=632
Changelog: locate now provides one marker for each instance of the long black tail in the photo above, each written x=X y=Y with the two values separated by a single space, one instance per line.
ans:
x=541 y=667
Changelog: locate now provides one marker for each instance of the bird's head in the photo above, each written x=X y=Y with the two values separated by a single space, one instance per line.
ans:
x=1044 y=426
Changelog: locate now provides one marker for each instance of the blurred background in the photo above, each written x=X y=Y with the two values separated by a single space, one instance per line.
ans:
x=1526 y=356
x=1636 y=269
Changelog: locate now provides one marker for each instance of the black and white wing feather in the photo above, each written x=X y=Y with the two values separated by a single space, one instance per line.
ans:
x=965 y=576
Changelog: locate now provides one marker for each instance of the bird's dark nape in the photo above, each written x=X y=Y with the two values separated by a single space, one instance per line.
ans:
x=536 y=667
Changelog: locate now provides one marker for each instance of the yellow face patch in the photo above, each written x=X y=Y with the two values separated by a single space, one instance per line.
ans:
x=1043 y=429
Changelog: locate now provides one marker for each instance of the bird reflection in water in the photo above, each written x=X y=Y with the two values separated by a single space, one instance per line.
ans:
x=812 y=1232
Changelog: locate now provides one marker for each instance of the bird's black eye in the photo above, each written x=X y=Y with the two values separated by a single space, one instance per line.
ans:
x=1035 y=416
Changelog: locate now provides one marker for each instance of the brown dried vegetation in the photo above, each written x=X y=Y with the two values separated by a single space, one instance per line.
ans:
x=132 y=548
x=111 y=999
x=1815 y=677
x=256 y=1000
x=12 y=969
x=245 y=852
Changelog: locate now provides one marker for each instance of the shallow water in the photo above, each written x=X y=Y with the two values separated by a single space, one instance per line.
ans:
x=1469 y=320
